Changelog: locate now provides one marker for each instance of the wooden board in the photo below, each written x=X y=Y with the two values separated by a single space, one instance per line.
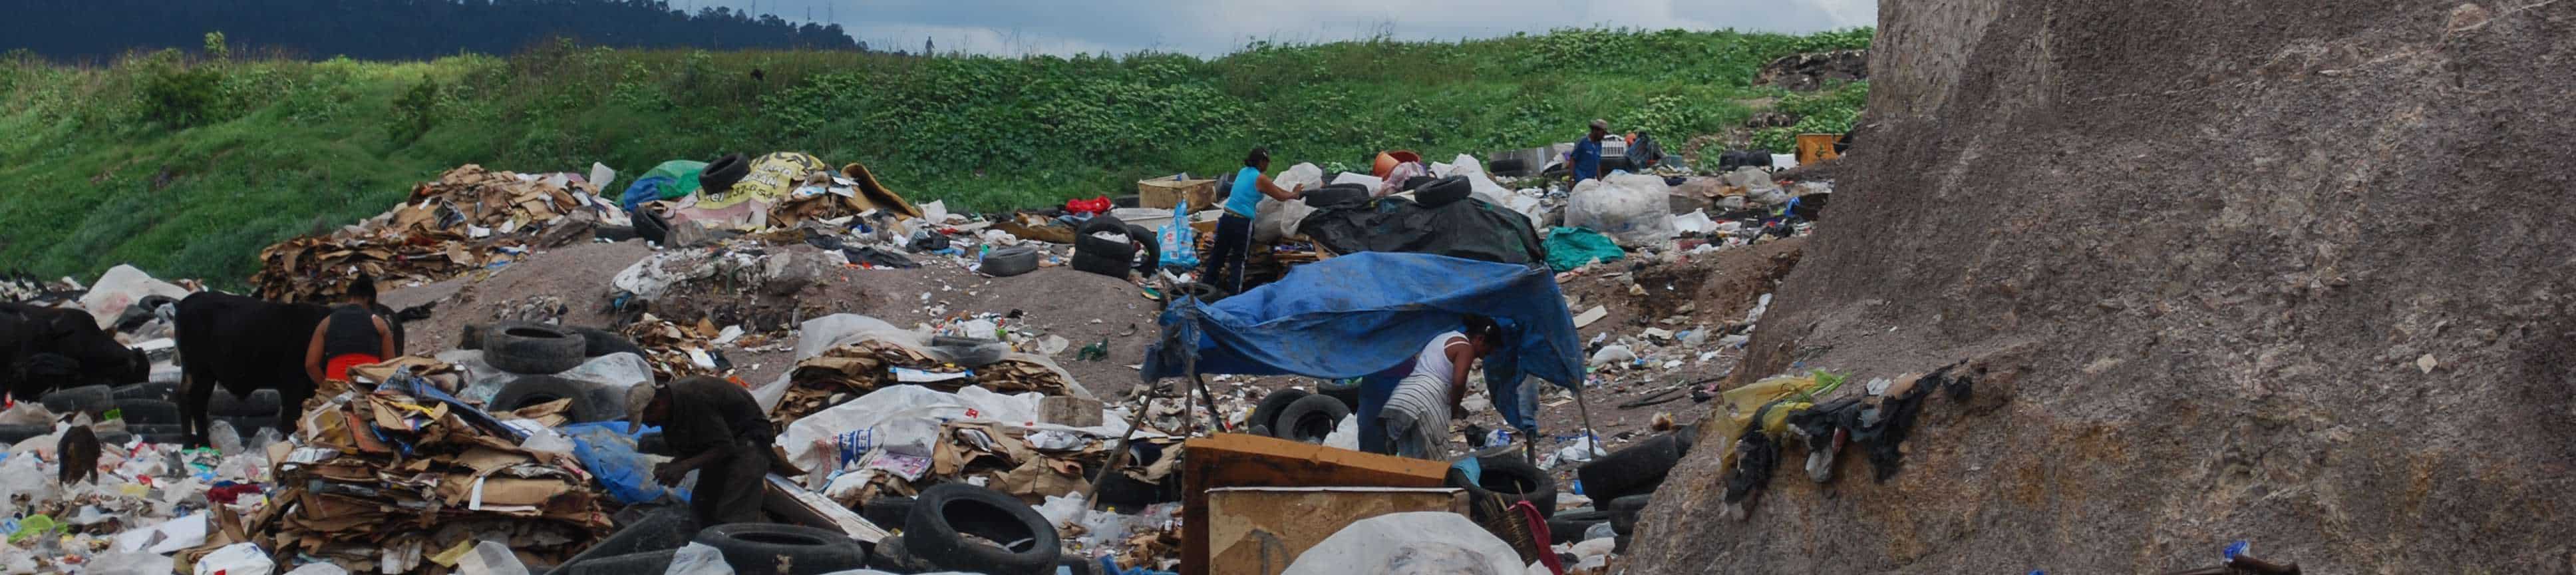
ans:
x=1238 y=460
x=1260 y=530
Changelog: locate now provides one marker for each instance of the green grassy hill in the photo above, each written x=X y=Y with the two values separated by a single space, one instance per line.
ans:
x=187 y=163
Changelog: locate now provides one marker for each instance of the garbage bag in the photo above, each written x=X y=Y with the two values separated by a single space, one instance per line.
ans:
x=119 y=288
x=489 y=558
x=698 y=559
x=669 y=181
x=1569 y=248
x=1630 y=208
x=236 y=559
x=610 y=454
x=1418 y=543
x=1485 y=187
x=1275 y=219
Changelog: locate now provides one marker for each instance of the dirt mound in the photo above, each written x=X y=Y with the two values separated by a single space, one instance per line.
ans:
x=2292 y=272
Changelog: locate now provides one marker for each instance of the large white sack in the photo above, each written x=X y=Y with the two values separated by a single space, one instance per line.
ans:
x=1630 y=208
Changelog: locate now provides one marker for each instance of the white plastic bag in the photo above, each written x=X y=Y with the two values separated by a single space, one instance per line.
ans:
x=489 y=558
x=1630 y=208
x=236 y=559
x=1346 y=435
x=1485 y=187
x=319 y=569
x=119 y=288
x=698 y=559
x=1275 y=219
x=1407 y=543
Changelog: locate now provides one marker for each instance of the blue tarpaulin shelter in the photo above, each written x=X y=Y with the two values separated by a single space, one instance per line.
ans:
x=1364 y=313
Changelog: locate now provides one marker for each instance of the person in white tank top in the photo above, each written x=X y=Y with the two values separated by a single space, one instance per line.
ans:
x=1416 y=418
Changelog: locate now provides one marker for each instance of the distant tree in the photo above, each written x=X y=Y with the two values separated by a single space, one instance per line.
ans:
x=927 y=48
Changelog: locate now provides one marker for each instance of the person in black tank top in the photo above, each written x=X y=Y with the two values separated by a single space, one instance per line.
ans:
x=352 y=329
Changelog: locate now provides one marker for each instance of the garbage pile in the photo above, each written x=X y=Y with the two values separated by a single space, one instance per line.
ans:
x=676 y=352
x=404 y=479
x=469 y=219
x=146 y=500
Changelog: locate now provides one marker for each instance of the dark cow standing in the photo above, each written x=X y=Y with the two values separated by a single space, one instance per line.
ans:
x=43 y=349
x=246 y=344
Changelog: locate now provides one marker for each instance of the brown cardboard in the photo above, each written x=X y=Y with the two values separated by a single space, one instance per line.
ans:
x=1260 y=530
x=1238 y=460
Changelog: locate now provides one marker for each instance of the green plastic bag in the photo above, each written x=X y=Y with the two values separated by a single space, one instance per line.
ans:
x=684 y=176
x=1569 y=248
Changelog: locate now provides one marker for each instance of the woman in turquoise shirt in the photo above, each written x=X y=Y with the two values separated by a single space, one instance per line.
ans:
x=1234 y=231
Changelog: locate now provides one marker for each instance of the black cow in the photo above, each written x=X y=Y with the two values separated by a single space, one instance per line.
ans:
x=245 y=344
x=43 y=349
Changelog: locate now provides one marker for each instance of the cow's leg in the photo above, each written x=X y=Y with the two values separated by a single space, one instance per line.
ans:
x=290 y=406
x=194 y=394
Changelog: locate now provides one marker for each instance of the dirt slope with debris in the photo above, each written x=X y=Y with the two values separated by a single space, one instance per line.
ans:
x=2289 y=272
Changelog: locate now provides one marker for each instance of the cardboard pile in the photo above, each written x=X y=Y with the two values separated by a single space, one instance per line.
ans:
x=469 y=219
x=393 y=482
x=675 y=351
x=855 y=369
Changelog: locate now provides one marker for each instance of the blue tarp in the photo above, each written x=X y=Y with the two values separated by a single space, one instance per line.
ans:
x=1360 y=314
x=608 y=452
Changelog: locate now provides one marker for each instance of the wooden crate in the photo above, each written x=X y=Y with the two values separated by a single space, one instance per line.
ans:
x=1260 y=530
x=1167 y=192
x=1812 y=148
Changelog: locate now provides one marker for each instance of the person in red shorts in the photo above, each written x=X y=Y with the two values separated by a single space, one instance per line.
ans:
x=351 y=336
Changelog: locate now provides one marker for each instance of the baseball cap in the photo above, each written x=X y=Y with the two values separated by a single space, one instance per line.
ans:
x=639 y=397
x=1602 y=125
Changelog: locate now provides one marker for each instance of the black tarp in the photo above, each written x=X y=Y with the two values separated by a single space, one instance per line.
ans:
x=1469 y=229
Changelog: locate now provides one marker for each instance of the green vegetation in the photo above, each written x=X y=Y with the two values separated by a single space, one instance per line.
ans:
x=187 y=165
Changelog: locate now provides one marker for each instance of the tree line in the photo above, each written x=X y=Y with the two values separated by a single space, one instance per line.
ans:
x=98 y=30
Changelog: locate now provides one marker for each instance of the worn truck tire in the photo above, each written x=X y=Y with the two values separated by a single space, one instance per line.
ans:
x=1310 y=419
x=1568 y=527
x=1511 y=479
x=1148 y=243
x=1267 y=413
x=148 y=411
x=720 y=175
x=1637 y=469
x=597 y=342
x=1623 y=513
x=650 y=226
x=645 y=562
x=1443 y=191
x=1348 y=392
x=892 y=555
x=1010 y=261
x=530 y=390
x=888 y=512
x=663 y=529
x=264 y=402
x=946 y=513
x=89 y=398
x=1100 y=264
x=766 y=547
x=532 y=349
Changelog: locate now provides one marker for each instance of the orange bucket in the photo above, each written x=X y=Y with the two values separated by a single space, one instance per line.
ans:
x=1387 y=161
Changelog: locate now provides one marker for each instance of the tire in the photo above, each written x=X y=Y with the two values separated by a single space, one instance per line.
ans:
x=12 y=434
x=532 y=349
x=598 y=342
x=1010 y=261
x=118 y=438
x=89 y=398
x=947 y=512
x=1101 y=264
x=650 y=226
x=1507 y=166
x=722 y=174
x=260 y=403
x=245 y=427
x=763 y=547
x=148 y=411
x=1337 y=196
x=1568 y=527
x=1637 y=469
x=1310 y=419
x=1623 y=513
x=1267 y=413
x=1121 y=251
x=645 y=562
x=164 y=391
x=1348 y=393
x=1122 y=492
x=664 y=529
x=1443 y=191
x=536 y=389
x=887 y=512
x=891 y=555
x=1512 y=480
x=163 y=438
x=1147 y=240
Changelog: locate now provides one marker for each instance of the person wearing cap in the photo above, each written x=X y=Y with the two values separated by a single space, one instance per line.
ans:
x=353 y=335
x=1585 y=162
x=718 y=431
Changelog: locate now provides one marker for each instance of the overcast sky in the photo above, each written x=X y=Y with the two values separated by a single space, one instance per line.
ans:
x=1215 y=27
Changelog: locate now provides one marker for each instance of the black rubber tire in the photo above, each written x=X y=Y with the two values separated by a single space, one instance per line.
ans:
x=888 y=512
x=12 y=434
x=530 y=390
x=1121 y=251
x=1010 y=261
x=1443 y=191
x=89 y=398
x=1513 y=480
x=597 y=342
x=893 y=556
x=650 y=225
x=1266 y=414
x=763 y=547
x=532 y=349
x=163 y=438
x=945 y=512
x=1149 y=244
x=260 y=403
x=118 y=438
x=1507 y=166
x=1126 y=494
x=1337 y=196
x=722 y=174
x=1623 y=513
x=1310 y=419
x=148 y=411
x=1568 y=527
x=164 y=391
x=645 y=562
x=1204 y=292
x=1115 y=267
x=1636 y=469
x=1619 y=544
x=663 y=529
x=1349 y=394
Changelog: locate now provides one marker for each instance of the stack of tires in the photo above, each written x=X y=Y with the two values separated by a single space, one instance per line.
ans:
x=147 y=409
x=648 y=546
x=1295 y=415
x=1096 y=251
x=937 y=524
x=1624 y=480
x=537 y=353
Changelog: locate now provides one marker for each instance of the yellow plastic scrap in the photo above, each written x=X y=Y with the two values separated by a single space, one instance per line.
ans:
x=1740 y=405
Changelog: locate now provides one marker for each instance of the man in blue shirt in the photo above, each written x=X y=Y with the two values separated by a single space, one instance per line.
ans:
x=1585 y=162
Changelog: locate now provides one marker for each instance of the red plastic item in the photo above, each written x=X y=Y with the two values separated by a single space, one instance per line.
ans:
x=1094 y=206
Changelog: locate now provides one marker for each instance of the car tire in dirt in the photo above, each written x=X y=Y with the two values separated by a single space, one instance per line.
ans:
x=532 y=349
x=1310 y=419
x=651 y=226
x=1010 y=261
x=530 y=390
x=888 y=512
x=946 y=513
x=764 y=547
x=720 y=175
x=264 y=402
x=147 y=411
x=892 y=555
x=645 y=562
x=1266 y=414
x=664 y=528
x=88 y=398
x=597 y=342
x=1147 y=241
x=1099 y=264
x=1636 y=469
x=1568 y=527
x=1443 y=191
x=1623 y=513
x=164 y=391
x=1511 y=479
